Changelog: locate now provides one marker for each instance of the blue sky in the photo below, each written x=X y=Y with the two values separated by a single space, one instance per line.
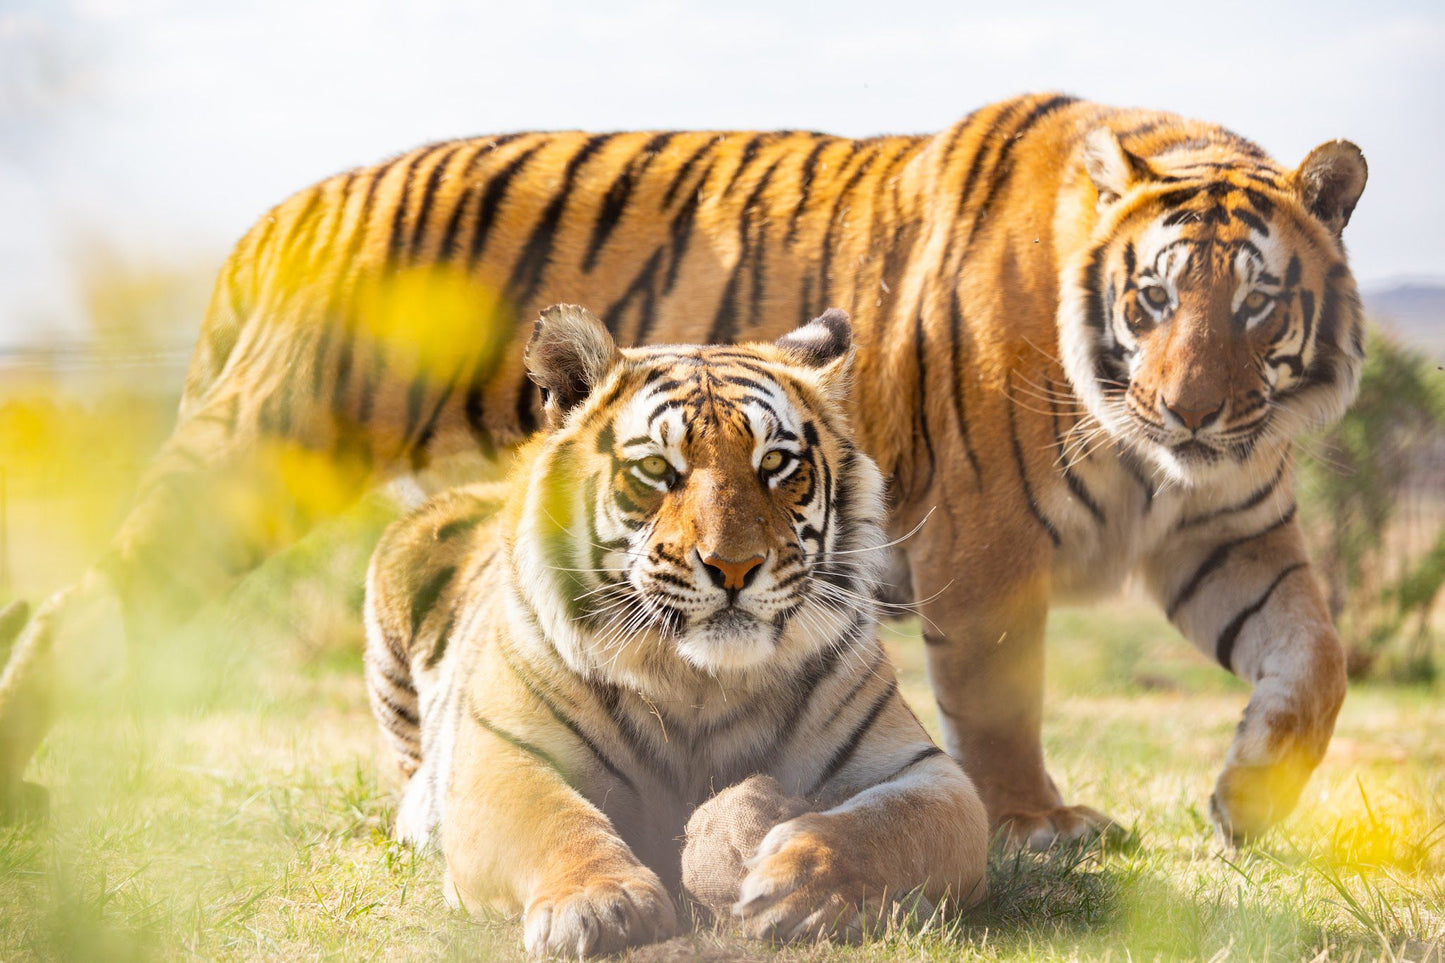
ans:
x=159 y=129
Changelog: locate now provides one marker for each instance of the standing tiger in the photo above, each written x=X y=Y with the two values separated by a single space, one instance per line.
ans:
x=677 y=596
x=1086 y=336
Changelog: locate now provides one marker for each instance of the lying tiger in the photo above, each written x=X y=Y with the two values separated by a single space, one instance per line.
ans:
x=676 y=595
x=1087 y=338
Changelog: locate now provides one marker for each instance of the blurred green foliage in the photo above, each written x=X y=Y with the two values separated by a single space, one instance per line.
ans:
x=1373 y=502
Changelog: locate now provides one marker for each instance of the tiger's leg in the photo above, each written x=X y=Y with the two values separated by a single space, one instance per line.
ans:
x=983 y=627
x=220 y=496
x=987 y=671
x=913 y=823
x=1250 y=601
x=516 y=833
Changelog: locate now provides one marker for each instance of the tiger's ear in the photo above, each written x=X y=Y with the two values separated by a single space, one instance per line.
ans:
x=1112 y=168
x=569 y=355
x=824 y=344
x=1330 y=181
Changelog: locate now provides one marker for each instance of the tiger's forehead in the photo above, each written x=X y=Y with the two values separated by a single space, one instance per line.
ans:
x=1220 y=228
x=683 y=397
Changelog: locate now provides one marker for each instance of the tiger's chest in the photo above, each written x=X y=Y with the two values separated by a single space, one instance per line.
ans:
x=1106 y=514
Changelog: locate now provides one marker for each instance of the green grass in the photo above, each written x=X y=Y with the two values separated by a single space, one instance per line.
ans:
x=234 y=800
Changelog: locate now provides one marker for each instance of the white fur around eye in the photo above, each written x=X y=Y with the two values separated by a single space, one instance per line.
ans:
x=789 y=468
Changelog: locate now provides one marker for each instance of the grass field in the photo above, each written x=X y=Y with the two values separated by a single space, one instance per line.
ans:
x=232 y=801
x=235 y=804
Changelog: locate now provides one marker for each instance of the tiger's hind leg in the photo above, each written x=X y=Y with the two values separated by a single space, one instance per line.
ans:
x=221 y=496
x=414 y=599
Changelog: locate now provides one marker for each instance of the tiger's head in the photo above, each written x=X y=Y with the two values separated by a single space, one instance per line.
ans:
x=1211 y=313
x=696 y=506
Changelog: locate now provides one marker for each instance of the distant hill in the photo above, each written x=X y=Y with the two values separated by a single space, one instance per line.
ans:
x=1414 y=310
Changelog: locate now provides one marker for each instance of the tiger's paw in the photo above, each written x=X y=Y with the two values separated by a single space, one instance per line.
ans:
x=1041 y=830
x=605 y=914
x=801 y=885
x=1248 y=800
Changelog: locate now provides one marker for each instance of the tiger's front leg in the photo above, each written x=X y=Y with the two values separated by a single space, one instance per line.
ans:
x=516 y=834
x=1250 y=601
x=919 y=828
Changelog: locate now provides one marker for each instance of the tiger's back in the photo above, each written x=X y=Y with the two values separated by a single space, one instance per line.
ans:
x=724 y=235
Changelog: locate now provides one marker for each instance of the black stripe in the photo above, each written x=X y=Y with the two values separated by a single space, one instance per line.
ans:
x=679 y=232
x=567 y=722
x=1018 y=451
x=643 y=289
x=398 y=216
x=1075 y=483
x=1218 y=557
x=614 y=202
x=370 y=383
x=749 y=151
x=491 y=201
x=724 y=324
x=686 y=168
x=920 y=406
x=1307 y=317
x=418 y=445
x=448 y=248
x=540 y=754
x=333 y=300
x=427 y=595
x=923 y=754
x=1253 y=499
x=527 y=272
x=328 y=323
x=285 y=251
x=825 y=258
x=980 y=151
x=865 y=677
x=805 y=187
x=1224 y=647
x=806 y=682
x=1248 y=217
x=956 y=323
x=1002 y=168
x=609 y=697
x=402 y=684
x=401 y=712
x=846 y=751
x=418 y=231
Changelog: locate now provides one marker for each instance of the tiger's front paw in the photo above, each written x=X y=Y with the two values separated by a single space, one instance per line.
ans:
x=1042 y=829
x=801 y=884
x=604 y=913
x=1248 y=800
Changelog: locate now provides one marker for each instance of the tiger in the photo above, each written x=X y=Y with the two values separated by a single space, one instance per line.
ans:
x=1087 y=339
x=673 y=593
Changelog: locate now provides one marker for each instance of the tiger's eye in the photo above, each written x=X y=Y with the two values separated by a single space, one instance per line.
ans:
x=772 y=461
x=1256 y=302
x=655 y=465
x=1156 y=297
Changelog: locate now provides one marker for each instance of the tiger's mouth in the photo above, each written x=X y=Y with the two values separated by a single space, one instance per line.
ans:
x=730 y=639
x=1194 y=449
x=731 y=619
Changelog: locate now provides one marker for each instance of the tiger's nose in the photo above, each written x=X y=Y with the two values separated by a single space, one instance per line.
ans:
x=1192 y=418
x=730 y=574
